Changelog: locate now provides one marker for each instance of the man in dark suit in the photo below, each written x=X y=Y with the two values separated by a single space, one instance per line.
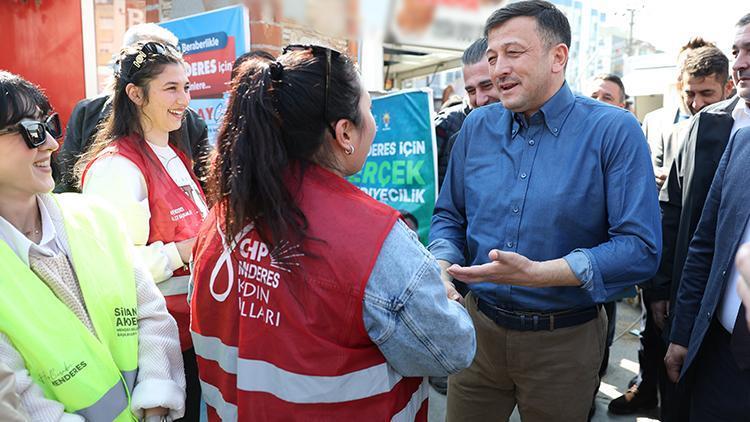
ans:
x=89 y=113
x=707 y=352
x=693 y=170
x=702 y=343
x=704 y=81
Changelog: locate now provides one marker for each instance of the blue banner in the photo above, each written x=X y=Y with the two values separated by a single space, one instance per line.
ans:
x=401 y=167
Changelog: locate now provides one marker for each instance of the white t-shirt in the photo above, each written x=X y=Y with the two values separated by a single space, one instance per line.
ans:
x=179 y=173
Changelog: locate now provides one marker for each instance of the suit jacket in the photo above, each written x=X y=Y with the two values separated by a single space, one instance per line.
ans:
x=713 y=247
x=690 y=176
x=656 y=126
x=84 y=124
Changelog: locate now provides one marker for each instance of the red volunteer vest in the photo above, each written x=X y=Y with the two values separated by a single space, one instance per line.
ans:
x=174 y=217
x=279 y=333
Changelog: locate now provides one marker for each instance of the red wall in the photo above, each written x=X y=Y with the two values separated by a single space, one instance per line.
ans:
x=44 y=44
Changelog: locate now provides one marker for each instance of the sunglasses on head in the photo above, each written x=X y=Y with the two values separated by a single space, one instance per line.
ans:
x=34 y=132
x=319 y=51
x=146 y=51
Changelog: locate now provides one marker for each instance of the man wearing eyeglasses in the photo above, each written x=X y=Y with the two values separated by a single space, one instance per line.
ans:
x=547 y=207
x=89 y=113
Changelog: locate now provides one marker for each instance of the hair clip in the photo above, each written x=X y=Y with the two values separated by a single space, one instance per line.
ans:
x=139 y=59
x=277 y=70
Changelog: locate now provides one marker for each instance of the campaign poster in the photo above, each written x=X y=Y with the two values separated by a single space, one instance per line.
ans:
x=401 y=167
x=210 y=42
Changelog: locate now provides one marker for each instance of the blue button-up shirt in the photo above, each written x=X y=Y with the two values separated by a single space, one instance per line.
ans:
x=573 y=181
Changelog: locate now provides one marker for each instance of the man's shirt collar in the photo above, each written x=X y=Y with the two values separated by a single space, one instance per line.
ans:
x=553 y=113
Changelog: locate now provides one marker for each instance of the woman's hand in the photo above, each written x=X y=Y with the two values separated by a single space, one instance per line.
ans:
x=154 y=413
x=185 y=248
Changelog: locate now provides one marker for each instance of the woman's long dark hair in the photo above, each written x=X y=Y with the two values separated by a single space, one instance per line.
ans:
x=124 y=118
x=275 y=124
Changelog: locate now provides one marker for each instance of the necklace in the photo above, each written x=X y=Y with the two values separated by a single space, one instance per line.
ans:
x=33 y=231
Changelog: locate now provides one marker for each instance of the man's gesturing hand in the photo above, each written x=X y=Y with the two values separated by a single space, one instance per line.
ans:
x=504 y=268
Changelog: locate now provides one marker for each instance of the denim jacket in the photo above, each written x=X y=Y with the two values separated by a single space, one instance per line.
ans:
x=407 y=313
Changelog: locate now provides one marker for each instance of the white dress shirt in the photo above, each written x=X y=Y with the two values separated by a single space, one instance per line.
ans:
x=22 y=246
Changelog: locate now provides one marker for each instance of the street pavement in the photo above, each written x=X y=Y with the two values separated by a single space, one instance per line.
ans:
x=623 y=364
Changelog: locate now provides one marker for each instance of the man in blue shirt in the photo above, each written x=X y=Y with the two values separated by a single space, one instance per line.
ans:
x=548 y=206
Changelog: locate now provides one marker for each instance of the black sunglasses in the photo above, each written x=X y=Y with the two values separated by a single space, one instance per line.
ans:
x=147 y=51
x=34 y=132
x=319 y=51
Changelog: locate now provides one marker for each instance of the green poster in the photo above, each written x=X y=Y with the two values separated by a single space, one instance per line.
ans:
x=401 y=167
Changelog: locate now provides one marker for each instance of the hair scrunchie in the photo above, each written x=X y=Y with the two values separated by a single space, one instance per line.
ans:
x=277 y=70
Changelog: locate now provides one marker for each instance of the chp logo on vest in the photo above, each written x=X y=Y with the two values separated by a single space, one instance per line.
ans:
x=253 y=252
x=255 y=270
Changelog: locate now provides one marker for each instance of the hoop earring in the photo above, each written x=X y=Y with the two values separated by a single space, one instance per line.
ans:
x=350 y=150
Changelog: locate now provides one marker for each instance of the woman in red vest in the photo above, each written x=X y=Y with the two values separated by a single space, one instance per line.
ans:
x=311 y=300
x=134 y=164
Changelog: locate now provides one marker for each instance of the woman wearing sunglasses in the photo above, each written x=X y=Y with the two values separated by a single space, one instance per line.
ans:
x=135 y=165
x=311 y=300
x=82 y=326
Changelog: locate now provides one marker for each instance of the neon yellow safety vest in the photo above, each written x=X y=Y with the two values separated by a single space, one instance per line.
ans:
x=91 y=375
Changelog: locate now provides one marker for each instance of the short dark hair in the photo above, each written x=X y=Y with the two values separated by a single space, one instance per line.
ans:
x=615 y=80
x=695 y=43
x=475 y=53
x=707 y=61
x=20 y=99
x=552 y=25
x=743 y=20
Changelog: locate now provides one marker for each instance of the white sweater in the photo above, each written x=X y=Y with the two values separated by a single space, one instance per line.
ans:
x=160 y=381
x=119 y=181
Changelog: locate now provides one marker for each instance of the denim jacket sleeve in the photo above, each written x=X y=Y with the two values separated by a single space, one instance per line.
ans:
x=408 y=315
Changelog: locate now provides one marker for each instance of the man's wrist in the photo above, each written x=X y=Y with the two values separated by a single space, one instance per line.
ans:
x=534 y=272
x=552 y=273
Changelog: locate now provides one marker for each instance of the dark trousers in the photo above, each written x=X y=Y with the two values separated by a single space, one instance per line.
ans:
x=611 y=309
x=653 y=375
x=193 y=399
x=721 y=390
